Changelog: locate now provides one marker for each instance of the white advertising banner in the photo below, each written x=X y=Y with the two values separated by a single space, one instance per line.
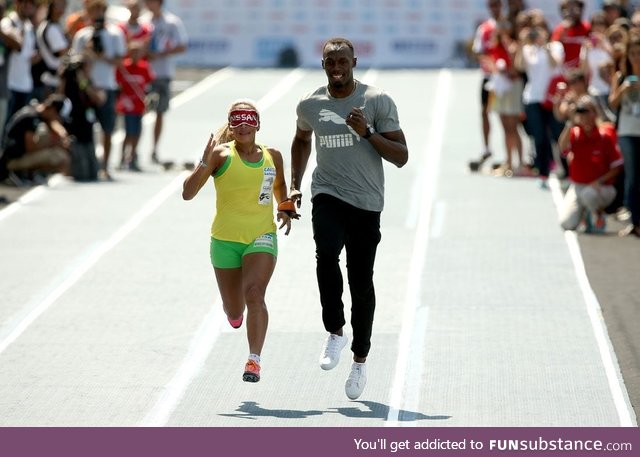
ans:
x=386 y=33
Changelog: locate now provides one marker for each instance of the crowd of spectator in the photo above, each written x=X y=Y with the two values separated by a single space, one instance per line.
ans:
x=67 y=77
x=536 y=79
x=573 y=92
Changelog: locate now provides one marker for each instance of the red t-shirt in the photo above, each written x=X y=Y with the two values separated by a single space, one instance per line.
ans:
x=571 y=39
x=500 y=52
x=593 y=154
x=485 y=35
x=137 y=32
x=133 y=79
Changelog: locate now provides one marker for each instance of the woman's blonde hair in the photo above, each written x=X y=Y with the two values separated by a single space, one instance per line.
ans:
x=224 y=134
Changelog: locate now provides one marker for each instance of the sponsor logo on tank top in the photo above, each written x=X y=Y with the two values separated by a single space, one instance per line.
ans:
x=266 y=189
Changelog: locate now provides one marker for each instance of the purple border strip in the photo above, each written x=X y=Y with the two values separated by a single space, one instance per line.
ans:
x=316 y=442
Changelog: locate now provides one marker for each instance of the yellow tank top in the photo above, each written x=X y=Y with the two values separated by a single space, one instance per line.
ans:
x=244 y=198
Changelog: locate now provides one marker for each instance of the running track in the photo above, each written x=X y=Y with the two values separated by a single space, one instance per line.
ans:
x=110 y=316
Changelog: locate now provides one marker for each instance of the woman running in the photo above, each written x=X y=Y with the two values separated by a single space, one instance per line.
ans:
x=244 y=246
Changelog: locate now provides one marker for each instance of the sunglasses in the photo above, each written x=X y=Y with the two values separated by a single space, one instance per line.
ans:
x=583 y=110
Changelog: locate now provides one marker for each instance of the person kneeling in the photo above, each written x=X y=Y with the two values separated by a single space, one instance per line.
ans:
x=35 y=141
x=594 y=162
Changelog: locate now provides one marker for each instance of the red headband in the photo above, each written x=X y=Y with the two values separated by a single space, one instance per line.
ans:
x=249 y=117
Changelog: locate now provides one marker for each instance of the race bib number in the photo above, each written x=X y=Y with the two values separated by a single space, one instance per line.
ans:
x=266 y=189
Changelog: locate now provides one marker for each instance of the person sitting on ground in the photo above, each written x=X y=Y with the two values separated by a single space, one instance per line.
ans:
x=594 y=162
x=35 y=139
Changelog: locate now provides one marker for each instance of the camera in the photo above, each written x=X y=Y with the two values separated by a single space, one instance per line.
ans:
x=96 y=38
x=70 y=66
x=71 y=72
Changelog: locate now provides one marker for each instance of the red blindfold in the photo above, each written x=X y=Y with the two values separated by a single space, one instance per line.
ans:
x=249 y=117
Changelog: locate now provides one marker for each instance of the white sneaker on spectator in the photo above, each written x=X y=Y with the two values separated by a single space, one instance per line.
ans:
x=356 y=381
x=330 y=355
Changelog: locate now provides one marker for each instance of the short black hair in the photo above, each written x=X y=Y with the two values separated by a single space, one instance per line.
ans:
x=565 y=3
x=338 y=42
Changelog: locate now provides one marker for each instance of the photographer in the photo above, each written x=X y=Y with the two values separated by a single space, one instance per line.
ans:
x=594 y=163
x=104 y=45
x=568 y=93
x=76 y=85
x=35 y=139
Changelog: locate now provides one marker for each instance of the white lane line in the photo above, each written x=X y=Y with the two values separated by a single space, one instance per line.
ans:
x=186 y=96
x=594 y=310
x=282 y=88
x=203 y=341
x=404 y=394
x=414 y=205
x=201 y=87
x=198 y=352
x=30 y=196
x=78 y=272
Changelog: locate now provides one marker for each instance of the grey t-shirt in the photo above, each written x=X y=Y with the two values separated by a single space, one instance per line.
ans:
x=168 y=32
x=348 y=167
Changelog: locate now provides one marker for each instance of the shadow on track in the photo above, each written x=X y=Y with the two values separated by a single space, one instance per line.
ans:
x=252 y=410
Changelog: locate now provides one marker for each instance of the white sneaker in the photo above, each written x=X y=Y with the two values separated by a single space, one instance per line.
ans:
x=356 y=381
x=331 y=351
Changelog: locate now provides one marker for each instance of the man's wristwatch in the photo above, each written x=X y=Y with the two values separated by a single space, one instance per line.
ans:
x=369 y=131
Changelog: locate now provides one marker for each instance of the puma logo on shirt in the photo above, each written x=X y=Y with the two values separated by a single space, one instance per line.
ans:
x=336 y=141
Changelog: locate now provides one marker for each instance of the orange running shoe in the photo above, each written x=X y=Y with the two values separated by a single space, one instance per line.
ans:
x=251 y=371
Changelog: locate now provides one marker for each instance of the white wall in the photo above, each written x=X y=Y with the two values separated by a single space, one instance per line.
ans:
x=386 y=33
